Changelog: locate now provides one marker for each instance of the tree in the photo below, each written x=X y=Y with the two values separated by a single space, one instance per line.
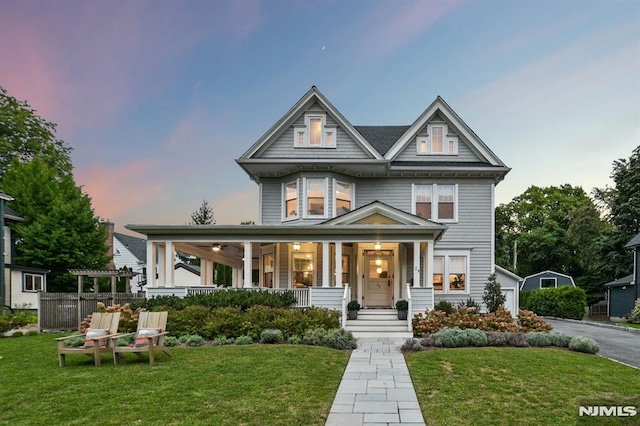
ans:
x=622 y=207
x=552 y=228
x=493 y=296
x=203 y=215
x=59 y=231
x=24 y=135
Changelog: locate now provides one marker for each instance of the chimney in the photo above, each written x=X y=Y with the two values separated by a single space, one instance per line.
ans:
x=109 y=226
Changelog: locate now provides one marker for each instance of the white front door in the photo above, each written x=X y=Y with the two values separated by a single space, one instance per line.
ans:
x=378 y=279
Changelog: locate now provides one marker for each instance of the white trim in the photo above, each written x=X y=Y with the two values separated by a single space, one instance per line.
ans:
x=305 y=202
x=449 y=142
x=247 y=265
x=334 y=184
x=308 y=248
x=493 y=229
x=260 y=203
x=435 y=200
x=548 y=271
x=43 y=287
x=555 y=282
x=284 y=200
x=445 y=278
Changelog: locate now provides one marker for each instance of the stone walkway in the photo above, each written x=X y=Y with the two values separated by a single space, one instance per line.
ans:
x=376 y=388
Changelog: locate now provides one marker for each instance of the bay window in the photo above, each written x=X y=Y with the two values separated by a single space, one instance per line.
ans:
x=290 y=200
x=343 y=197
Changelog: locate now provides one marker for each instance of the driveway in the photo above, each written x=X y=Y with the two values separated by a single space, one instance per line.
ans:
x=623 y=346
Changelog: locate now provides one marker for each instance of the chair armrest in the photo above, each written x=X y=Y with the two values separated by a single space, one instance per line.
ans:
x=117 y=336
x=69 y=337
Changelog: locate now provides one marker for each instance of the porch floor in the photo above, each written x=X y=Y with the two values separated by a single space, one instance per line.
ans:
x=376 y=388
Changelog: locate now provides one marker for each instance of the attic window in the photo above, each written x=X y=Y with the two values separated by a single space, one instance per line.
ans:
x=437 y=141
x=314 y=133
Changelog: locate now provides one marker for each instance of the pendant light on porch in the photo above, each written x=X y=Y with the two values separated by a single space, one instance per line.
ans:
x=296 y=246
x=377 y=246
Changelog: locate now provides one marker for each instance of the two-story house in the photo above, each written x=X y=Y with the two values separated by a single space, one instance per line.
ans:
x=385 y=211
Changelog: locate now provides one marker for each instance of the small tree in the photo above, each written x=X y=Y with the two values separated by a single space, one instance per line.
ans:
x=493 y=296
x=204 y=215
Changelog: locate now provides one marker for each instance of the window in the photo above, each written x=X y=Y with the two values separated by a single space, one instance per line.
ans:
x=291 y=200
x=548 y=282
x=437 y=141
x=343 y=197
x=438 y=272
x=314 y=133
x=302 y=270
x=33 y=282
x=454 y=266
x=315 y=195
x=267 y=268
x=436 y=202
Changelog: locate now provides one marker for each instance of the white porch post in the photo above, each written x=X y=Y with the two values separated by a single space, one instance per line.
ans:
x=168 y=264
x=416 y=264
x=151 y=264
x=235 y=277
x=162 y=280
x=326 y=279
x=430 y=263
x=338 y=263
x=247 y=264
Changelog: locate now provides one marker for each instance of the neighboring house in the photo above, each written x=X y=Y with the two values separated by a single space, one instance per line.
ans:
x=546 y=279
x=379 y=210
x=21 y=283
x=187 y=275
x=131 y=252
x=622 y=293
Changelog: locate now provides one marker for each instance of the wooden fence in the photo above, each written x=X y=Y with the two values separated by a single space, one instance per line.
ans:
x=65 y=311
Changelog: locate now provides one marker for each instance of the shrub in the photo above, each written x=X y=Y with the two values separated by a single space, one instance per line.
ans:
x=539 y=338
x=444 y=306
x=634 y=316
x=75 y=342
x=314 y=337
x=529 y=321
x=518 y=339
x=194 y=340
x=220 y=341
x=409 y=344
x=242 y=299
x=560 y=340
x=191 y=320
x=451 y=338
x=402 y=305
x=19 y=319
x=17 y=333
x=271 y=336
x=353 y=306
x=584 y=344
x=171 y=341
x=294 y=340
x=498 y=338
x=224 y=322
x=561 y=302
x=469 y=303
x=244 y=340
x=475 y=337
x=464 y=317
x=126 y=340
x=428 y=341
x=31 y=333
x=493 y=296
x=339 y=338
x=183 y=338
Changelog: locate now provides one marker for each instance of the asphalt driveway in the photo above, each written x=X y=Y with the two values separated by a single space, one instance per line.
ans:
x=621 y=345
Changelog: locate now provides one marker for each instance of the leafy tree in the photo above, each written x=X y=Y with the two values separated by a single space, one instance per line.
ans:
x=59 y=231
x=622 y=207
x=552 y=228
x=203 y=215
x=24 y=135
x=493 y=296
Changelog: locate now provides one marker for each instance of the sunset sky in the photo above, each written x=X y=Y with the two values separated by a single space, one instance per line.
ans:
x=157 y=98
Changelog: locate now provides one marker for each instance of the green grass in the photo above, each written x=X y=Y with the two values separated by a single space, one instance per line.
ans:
x=523 y=386
x=626 y=324
x=221 y=385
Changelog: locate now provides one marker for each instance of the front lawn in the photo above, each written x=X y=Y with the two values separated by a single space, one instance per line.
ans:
x=221 y=385
x=626 y=324
x=523 y=386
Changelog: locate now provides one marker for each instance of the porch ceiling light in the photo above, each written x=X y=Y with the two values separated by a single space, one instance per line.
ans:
x=377 y=246
x=216 y=247
x=378 y=270
x=378 y=262
x=296 y=246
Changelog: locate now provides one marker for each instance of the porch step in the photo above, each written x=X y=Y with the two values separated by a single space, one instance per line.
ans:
x=372 y=323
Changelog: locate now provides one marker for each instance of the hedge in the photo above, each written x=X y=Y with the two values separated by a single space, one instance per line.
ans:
x=561 y=302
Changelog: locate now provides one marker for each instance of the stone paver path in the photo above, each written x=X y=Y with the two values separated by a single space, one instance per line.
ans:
x=376 y=388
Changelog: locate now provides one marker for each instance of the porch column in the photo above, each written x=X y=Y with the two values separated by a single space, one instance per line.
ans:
x=234 y=277
x=338 y=263
x=168 y=265
x=326 y=279
x=247 y=265
x=162 y=279
x=208 y=272
x=429 y=263
x=416 y=264
x=151 y=264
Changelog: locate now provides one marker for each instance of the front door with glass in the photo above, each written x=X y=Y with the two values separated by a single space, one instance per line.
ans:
x=378 y=279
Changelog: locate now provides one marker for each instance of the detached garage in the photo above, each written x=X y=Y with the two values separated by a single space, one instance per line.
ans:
x=546 y=279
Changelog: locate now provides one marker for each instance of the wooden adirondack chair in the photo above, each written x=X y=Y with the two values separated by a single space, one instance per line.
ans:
x=149 y=337
x=97 y=338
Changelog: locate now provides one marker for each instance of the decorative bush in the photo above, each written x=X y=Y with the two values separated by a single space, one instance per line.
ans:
x=428 y=341
x=529 y=321
x=584 y=344
x=294 y=340
x=225 y=322
x=634 y=316
x=560 y=340
x=128 y=317
x=194 y=340
x=493 y=296
x=271 y=336
x=221 y=341
x=444 y=306
x=191 y=320
x=497 y=338
x=171 y=341
x=561 y=302
x=314 y=337
x=126 y=340
x=19 y=319
x=518 y=339
x=339 y=338
x=402 y=305
x=539 y=338
x=243 y=299
x=244 y=340
x=353 y=306
x=409 y=344
x=476 y=337
x=451 y=338
x=469 y=303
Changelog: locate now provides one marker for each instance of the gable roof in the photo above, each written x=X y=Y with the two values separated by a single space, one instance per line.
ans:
x=620 y=282
x=194 y=269
x=635 y=242
x=382 y=138
x=441 y=107
x=548 y=272
x=137 y=246
x=508 y=273
x=313 y=95
x=10 y=213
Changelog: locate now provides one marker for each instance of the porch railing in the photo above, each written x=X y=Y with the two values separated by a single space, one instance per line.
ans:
x=410 y=311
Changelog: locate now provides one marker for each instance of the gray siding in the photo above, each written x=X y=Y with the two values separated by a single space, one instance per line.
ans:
x=327 y=297
x=283 y=147
x=421 y=300
x=272 y=201
x=283 y=265
x=621 y=300
x=533 y=282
